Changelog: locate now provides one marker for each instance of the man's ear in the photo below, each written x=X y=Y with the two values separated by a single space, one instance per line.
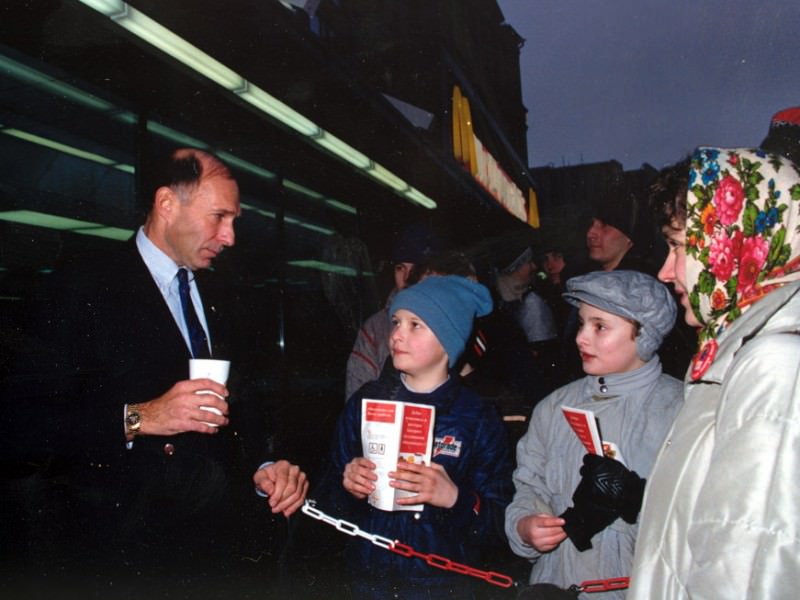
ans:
x=164 y=203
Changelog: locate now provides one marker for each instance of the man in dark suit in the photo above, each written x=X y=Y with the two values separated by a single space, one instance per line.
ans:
x=144 y=484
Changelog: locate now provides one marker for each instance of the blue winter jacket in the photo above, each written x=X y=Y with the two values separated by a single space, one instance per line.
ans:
x=470 y=443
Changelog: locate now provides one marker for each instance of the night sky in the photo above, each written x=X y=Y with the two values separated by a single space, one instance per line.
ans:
x=648 y=80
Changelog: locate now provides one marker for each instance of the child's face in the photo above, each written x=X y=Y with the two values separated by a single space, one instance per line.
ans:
x=606 y=342
x=415 y=349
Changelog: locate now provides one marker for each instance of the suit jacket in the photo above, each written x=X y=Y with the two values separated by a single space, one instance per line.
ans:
x=112 y=340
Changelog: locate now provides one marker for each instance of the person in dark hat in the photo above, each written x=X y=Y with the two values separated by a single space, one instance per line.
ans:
x=618 y=235
x=415 y=246
x=784 y=134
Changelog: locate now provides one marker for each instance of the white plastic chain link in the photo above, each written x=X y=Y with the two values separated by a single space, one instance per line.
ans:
x=346 y=527
x=396 y=546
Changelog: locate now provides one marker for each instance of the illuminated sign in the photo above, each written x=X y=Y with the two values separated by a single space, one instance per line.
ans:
x=473 y=155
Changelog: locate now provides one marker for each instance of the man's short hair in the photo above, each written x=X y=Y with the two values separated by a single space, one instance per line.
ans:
x=182 y=171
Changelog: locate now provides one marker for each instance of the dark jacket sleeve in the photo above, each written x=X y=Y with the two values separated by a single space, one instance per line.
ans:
x=482 y=499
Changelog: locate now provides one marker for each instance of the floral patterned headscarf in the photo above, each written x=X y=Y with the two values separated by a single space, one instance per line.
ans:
x=742 y=236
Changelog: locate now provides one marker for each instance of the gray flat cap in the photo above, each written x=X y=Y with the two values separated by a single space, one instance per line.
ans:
x=632 y=295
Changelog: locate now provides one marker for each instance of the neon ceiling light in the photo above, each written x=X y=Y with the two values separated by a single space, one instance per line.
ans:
x=165 y=40
x=323 y=266
x=290 y=220
x=48 y=221
x=55 y=87
x=65 y=149
x=114 y=233
x=58 y=88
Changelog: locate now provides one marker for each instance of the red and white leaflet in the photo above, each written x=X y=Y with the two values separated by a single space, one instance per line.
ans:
x=584 y=424
x=390 y=432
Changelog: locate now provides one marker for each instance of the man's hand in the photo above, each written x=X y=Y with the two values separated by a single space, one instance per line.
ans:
x=542 y=531
x=285 y=484
x=431 y=483
x=359 y=475
x=178 y=410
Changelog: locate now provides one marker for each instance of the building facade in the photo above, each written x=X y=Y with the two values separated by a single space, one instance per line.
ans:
x=336 y=117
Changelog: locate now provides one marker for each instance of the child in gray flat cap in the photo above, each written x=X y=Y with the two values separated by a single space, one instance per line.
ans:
x=564 y=492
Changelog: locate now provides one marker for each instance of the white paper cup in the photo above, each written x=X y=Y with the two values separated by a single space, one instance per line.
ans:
x=213 y=369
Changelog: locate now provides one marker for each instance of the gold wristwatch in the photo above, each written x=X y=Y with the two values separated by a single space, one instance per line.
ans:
x=133 y=421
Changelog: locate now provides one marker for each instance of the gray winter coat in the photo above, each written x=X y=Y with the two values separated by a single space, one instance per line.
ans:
x=634 y=412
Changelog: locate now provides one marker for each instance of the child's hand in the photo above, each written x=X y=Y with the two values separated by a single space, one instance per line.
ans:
x=432 y=484
x=542 y=531
x=358 y=476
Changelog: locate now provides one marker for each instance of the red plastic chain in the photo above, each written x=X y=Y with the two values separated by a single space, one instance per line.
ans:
x=434 y=560
x=604 y=585
x=440 y=562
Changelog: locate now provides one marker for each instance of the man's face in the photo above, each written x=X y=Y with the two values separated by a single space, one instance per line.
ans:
x=607 y=244
x=674 y=268
x=198 y=230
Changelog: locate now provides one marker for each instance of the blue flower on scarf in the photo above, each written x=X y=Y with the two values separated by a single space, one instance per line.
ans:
x=772 y=217
x=761 y=222
x=766 y=219
x=709 y=166
x=710 y=172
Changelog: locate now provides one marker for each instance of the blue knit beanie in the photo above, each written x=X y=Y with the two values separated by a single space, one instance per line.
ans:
x=448 y=305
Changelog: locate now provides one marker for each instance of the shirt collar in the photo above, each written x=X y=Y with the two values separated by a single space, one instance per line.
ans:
x=161 y=266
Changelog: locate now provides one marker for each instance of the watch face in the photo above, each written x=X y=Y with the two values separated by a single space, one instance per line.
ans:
x=133 y=419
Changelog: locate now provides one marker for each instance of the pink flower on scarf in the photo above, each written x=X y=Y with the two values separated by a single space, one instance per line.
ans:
x=721 y=256
x=751 y=261
x=728 y=200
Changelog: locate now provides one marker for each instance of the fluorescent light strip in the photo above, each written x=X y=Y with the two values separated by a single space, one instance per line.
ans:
x=323 y=266
x=159 y=36
x=265 y=102
x=290 y=220
x=341 y=206
x=48 y=221
x=64 y=148
x=55 y=87
x=261 y=211
x=341 y=149
x=173 y=45
x=418 y=197
x=110 y=233
x=300 y=189
x=309 y=226
x=246 y=166
x=384 y=175
x=174 y=136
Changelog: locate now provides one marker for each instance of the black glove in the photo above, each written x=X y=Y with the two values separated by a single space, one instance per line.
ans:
x=607 y=490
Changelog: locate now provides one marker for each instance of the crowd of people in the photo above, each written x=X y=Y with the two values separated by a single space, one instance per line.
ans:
x=565 y=446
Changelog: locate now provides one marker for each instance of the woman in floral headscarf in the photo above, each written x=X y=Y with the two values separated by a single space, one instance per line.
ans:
x=722 y=511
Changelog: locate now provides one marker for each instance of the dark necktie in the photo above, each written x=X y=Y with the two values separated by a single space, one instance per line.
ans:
x=197 y=336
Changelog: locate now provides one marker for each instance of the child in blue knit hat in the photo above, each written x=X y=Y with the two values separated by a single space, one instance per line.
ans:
x=466 y=487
